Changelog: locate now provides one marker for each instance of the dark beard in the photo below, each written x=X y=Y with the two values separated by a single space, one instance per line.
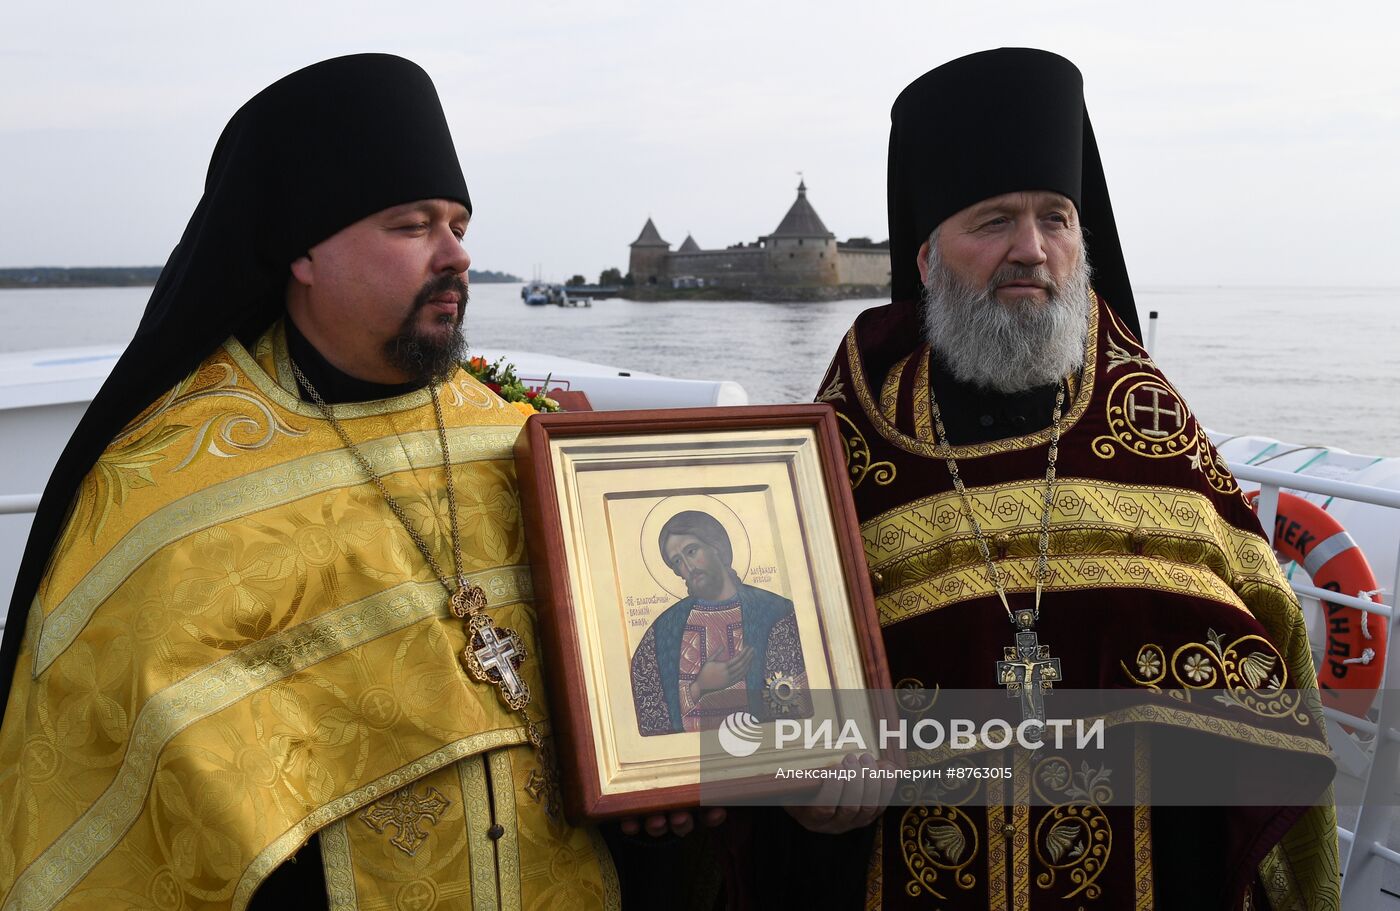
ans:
x=711 y=588
x=427 y=356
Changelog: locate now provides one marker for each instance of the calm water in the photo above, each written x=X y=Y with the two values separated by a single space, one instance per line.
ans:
x=1304 y=365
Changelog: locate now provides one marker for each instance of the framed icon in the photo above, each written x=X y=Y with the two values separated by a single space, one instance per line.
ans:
x=697 y=572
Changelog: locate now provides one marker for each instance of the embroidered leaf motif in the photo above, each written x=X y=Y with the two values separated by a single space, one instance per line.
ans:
x=833 y=391
x=236 y=430
x=1256 y=667
x=1217 y=641
x=1093 y=785
x=944 y=838
x=125 y=468
x=1061 y=839
x=1118 y=356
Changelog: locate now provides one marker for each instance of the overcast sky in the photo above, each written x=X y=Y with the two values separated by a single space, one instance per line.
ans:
x=1245 y=142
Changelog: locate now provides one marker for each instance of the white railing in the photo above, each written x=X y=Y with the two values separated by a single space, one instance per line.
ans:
x=1367 y=854
x=14 y=504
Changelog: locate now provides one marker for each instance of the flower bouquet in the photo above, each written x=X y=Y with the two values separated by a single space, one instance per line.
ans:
x=500 y=378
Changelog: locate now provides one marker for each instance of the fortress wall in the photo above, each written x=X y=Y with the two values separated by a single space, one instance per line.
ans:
x=802 y=261
x=720 y=267
x=863 y=266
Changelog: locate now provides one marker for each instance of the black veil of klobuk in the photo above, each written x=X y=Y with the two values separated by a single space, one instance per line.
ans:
x=311 y=154
x=994 y=122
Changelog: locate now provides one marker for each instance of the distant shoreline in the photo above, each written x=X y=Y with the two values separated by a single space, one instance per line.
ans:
x=141 y=276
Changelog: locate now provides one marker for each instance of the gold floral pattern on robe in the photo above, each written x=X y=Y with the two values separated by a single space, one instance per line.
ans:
x=246 y=649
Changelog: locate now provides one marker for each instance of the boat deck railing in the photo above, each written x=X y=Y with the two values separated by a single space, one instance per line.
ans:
x=18 y=504
x=1366 y=854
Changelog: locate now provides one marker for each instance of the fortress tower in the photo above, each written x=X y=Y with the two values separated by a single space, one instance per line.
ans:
x=801 y=251
x=800 y=260
x=648 y=260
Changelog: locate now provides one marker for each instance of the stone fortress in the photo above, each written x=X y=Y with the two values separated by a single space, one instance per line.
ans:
x=801 y=259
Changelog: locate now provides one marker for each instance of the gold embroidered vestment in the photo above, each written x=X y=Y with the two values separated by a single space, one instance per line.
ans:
x=236 y=645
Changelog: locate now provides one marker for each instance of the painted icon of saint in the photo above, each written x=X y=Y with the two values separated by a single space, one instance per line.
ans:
x=726 y=647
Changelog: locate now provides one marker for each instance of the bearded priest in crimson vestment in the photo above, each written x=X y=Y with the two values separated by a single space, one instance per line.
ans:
x=1024 y=472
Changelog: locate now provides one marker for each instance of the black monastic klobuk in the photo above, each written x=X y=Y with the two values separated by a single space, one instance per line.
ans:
x=309 y=155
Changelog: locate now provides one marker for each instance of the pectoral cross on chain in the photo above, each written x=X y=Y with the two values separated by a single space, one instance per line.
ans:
x=1028 y=669
x=493 y=653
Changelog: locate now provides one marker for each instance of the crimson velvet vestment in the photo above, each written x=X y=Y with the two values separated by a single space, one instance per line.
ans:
x=1159 y=583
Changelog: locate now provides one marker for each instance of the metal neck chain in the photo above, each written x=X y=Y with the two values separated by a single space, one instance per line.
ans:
x=1042 y=565
x=534 y=730
x=468 y=603
x=384 y=491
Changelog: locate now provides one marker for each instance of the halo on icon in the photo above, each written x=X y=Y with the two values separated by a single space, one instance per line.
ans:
x=662 y=512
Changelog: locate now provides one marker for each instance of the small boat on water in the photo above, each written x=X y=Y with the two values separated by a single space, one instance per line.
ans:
x=539 y=294
x=536 y=294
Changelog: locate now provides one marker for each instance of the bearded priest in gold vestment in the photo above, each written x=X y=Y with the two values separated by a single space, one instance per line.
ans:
x=1024 y=473
x=272 y=643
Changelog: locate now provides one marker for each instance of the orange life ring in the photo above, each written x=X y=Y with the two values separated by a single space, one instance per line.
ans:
x=1354 y=660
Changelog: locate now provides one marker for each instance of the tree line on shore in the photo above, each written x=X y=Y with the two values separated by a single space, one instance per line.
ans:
x=609 y=278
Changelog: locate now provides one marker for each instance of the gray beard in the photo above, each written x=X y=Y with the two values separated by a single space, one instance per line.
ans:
x=1006 y=348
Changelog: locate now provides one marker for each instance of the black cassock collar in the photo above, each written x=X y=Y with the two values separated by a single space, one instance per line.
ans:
x=974 y=414
x=335 y=385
